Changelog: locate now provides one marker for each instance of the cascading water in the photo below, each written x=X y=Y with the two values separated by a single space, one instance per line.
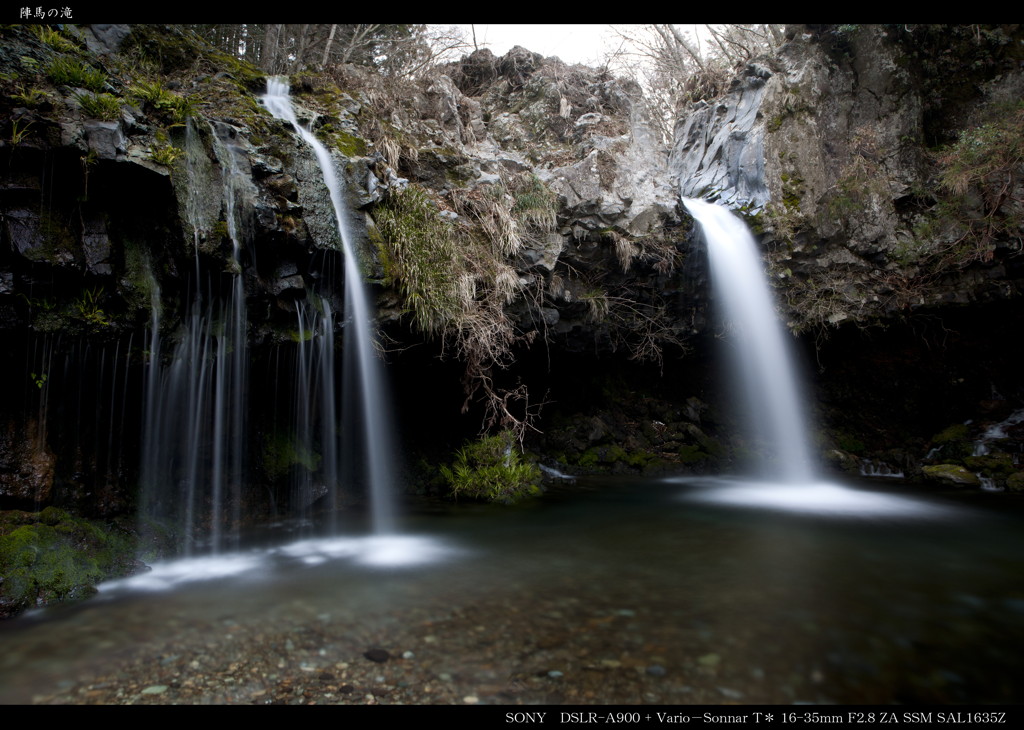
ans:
x=762 y=357
x=194 y=425
x=770 y=387
x=359 y=333
x=315 y=411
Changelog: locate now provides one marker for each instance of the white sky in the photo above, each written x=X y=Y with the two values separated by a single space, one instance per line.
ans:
x=573 y=43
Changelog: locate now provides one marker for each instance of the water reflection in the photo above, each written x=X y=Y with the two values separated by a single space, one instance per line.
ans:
x=605 y=591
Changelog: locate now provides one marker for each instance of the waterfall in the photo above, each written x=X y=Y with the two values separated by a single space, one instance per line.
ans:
x=315 y=404
x=762 y=359
x=359 y=340
x=194 y=423
x=787 y=480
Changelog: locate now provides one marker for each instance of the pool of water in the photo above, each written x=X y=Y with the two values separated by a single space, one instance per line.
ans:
x=698 y=591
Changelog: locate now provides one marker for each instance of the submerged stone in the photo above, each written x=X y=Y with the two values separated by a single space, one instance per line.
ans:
x=377 y=655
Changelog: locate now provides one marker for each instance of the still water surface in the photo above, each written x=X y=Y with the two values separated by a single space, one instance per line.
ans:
x=701 y=591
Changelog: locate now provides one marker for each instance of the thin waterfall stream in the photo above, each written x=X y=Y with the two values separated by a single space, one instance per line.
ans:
x=374 y=412
x=195 y=408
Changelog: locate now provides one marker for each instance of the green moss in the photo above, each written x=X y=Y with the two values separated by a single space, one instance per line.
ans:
x=956 y=432
x=954 y=442
x=1015 y=482
x=52 y=556
x=141 y=284
x=691 y=454
x=996 y=466
x=346 y=143
x=59 y=242
x=493 y=469
x=612 y=457
x=283 y=451
x=951 y=474
x=850 y=443
x=792 y=191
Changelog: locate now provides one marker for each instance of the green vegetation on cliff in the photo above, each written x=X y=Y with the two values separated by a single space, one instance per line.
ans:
x=420 y=257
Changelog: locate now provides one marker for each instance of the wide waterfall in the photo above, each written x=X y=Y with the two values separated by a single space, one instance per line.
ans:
x=194 y=429
x=762 y=358
x=359 y=341
x=786 y=477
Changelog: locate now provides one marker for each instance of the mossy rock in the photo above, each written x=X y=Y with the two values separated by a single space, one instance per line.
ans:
x=692 y=454
x=952 y=475
x=997 y=466
x=956 y=432
x=954 y=442
x=51 y=557
x=842 y=460
x=1015 y=482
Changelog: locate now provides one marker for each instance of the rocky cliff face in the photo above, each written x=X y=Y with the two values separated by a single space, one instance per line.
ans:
x=881 y=163
x=503 y=201
x=501 y=204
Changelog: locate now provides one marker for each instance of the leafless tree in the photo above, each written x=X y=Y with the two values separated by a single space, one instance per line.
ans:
x=394 y=49
x=676 y=66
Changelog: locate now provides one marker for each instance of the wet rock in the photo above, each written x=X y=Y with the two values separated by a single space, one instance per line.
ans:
x=105 y=38
x=105 y=139
x=96 y=244
x=952 y=475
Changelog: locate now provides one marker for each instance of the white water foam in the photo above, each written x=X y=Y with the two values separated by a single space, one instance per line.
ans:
x=373 y=551
x=818 y=498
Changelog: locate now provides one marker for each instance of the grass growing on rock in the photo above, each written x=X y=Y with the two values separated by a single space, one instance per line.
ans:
x=419 y=255
x=493 y=469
